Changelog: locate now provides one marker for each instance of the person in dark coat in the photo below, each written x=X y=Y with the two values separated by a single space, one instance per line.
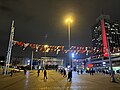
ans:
x=25 y=71
x=38 y=72
x=45 y=74
x=64 y=73
x=81 y=71
x=78 y=71
x=69 y=75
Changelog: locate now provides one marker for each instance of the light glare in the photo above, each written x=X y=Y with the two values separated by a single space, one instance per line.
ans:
x=69 y=20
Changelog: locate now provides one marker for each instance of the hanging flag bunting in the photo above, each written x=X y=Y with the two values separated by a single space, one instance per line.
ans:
x=58 y=51
x=25 y=45
x=20 y=43
x=51 y=50
x=62 y=48
x=32 y=46
x=77 y=48
x=41 y=48
x=74 y=51
x=47 y=50
x=37 y=46
x=77 y=52
x=66 y=51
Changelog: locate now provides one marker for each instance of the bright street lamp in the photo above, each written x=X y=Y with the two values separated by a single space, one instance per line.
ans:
x=69 y=21
x=73 y=55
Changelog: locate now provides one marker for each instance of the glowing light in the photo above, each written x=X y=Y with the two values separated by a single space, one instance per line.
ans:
x=45 y=46
x=104 y=63
x=28 y=62
x=69 y=20
x=73 y=55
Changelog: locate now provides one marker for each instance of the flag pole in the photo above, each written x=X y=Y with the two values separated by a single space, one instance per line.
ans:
x=9 y=48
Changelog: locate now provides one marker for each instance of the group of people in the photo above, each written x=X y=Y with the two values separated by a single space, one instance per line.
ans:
x=10 y=72
x=65 y=74
x=45 y=73
x=105 y=72
x=80 y=71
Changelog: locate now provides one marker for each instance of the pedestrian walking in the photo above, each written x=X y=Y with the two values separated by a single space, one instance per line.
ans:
x=69 y=76
x=38 y=72
x=45 y=74
x=92 y=71
x=25 y=71
x=3 y=71
x=64 y=73
x=81 y=71
x=78 y=71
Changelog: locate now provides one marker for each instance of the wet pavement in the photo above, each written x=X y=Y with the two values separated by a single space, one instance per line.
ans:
x=56 y=81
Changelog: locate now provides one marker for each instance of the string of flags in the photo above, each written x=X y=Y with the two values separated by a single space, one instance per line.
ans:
x=61 y=49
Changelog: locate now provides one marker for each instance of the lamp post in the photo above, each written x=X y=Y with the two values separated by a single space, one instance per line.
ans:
x=69 y=21
x=72 y=59
x=31 y=60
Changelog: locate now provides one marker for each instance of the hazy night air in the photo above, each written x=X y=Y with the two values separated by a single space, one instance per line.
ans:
x=43 y=21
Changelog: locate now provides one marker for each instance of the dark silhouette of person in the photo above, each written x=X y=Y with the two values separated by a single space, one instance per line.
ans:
x=64 y=73
x=3 y=71
x=81 y=71
x=92 y=71
x=70 y=75
x=78 y=71
x=45 y=74
x=38 y=72
x=25 y=71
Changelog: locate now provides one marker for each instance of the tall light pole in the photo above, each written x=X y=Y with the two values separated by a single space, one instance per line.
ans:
x=69 y=21
x=72 y=58
x=31 y=60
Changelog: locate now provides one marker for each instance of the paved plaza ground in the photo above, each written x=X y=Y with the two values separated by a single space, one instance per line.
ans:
x=56 y=81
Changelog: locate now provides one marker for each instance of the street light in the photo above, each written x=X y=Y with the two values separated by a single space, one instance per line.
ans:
x=73 y=55
x=69 y=21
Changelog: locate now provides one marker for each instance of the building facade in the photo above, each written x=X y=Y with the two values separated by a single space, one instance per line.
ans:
x=105 y=31
x=106 y=36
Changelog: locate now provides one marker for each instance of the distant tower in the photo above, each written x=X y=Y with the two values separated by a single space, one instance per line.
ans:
x=104 y=32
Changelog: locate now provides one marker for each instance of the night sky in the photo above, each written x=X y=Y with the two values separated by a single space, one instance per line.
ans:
x=35 y=19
